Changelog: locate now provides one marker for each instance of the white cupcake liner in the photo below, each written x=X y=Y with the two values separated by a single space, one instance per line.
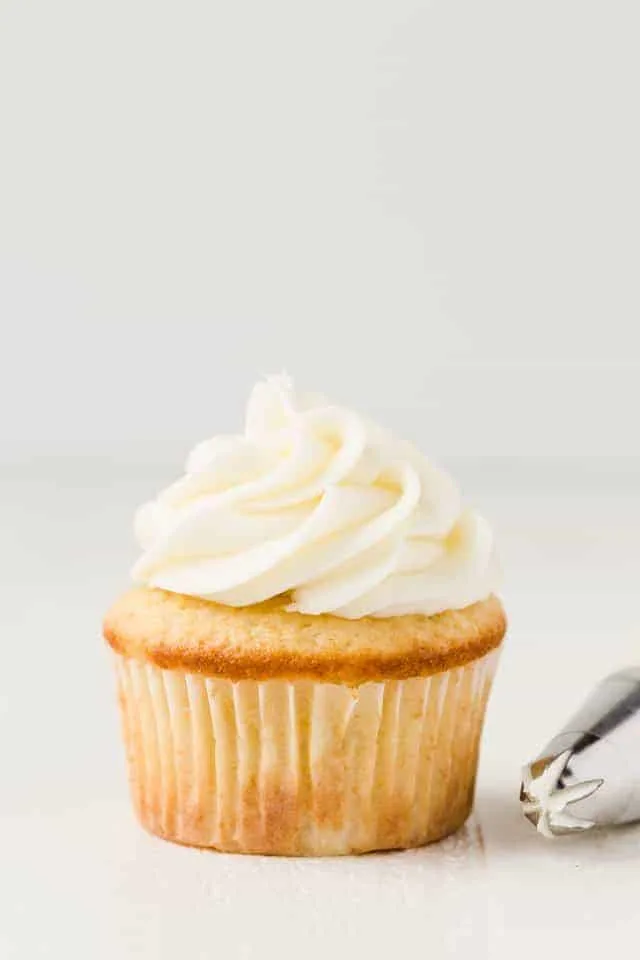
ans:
x=302 y=767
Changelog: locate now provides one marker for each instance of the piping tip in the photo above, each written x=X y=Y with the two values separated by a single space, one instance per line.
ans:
x=549 y=799
x=588 y=775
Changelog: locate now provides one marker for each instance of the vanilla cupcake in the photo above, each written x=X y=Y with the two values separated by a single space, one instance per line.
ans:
x=304 y=664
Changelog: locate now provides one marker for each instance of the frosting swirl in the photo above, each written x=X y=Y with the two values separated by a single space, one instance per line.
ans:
x=316 y=503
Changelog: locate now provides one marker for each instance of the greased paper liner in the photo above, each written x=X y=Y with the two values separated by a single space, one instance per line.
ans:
x=302 y=767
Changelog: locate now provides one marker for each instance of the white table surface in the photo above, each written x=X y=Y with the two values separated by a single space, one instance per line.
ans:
x=80 y=879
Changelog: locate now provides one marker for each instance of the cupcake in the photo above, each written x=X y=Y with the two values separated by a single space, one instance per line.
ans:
x=304 y=662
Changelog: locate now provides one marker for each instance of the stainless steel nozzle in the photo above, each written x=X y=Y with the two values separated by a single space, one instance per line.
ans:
x=589 y=774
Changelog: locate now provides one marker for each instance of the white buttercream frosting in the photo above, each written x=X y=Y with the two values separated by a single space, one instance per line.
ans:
x=314 y=502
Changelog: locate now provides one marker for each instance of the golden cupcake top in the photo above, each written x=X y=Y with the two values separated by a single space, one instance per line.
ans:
x=268 y=641
x=317 y=506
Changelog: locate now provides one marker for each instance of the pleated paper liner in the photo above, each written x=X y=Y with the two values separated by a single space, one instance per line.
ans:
x=302 y=767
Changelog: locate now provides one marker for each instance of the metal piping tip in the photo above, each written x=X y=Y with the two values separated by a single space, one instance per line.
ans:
x=588 y=775
x=545 y=797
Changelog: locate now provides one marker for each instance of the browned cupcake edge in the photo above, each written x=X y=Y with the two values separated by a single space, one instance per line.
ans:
x=185 y=633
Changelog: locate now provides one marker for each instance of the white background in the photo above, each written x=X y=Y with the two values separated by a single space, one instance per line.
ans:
x=429 y=211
